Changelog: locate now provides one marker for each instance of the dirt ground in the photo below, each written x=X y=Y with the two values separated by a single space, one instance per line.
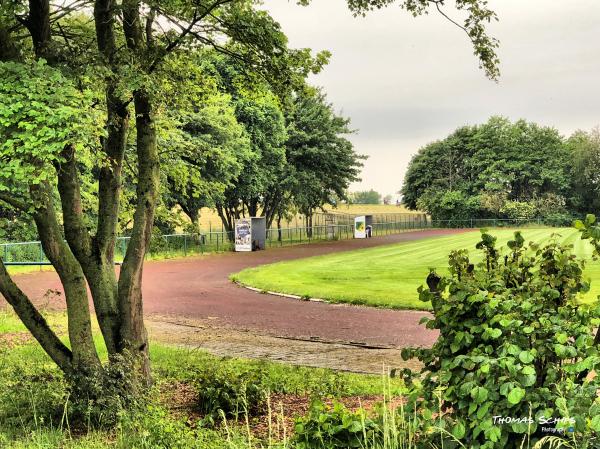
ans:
x=227 y=342
x=192 y=302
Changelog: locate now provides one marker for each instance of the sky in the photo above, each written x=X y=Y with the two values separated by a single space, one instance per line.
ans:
x=405 y=82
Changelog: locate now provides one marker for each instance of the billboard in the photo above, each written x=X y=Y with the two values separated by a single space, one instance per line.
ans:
x=243 y=234
x=360 y=227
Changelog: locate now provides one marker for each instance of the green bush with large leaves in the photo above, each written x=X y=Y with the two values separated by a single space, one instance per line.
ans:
x=516 y=351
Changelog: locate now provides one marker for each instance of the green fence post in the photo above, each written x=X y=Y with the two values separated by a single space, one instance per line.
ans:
x=185 y=245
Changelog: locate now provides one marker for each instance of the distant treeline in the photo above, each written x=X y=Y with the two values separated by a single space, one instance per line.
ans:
x=502 y=169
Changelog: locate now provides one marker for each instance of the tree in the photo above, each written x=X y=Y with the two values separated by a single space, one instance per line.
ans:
x=321 y=160
x=366 y=197
x=505 y=165
x=585 y=153
x=261 y=116
x=51 y=146
x=205 y=145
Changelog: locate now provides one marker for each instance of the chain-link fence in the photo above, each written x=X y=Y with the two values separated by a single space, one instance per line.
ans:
x=563 y=221
x=324 y=227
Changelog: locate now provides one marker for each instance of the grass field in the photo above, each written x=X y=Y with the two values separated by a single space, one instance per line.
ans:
x=389 y=276
x=209 y=219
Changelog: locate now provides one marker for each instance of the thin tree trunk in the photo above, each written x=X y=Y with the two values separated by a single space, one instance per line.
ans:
x=71 y=276
x=279 y=231
x=100 y=269
x=228 y=220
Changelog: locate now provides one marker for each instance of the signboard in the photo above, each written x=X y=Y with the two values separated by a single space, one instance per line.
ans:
x=243 y=234
x=360 y=227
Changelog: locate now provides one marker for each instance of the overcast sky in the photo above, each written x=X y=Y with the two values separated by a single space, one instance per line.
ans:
x=405 y=82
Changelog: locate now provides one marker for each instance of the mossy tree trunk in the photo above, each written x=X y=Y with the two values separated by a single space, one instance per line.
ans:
x=80 y=258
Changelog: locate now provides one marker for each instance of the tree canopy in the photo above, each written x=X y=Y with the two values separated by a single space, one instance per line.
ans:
x=501 y=169
x=366 y=197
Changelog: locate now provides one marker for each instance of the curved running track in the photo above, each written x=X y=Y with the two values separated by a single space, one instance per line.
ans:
x=199 y=288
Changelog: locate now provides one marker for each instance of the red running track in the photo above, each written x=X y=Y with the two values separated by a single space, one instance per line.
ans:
x=199 y=288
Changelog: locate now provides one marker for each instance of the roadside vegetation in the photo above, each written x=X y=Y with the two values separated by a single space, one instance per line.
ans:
x=197 y=400
x=389 y=276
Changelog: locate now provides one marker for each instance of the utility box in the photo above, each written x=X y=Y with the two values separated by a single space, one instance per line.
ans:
x=363 y=226
x=250 y=234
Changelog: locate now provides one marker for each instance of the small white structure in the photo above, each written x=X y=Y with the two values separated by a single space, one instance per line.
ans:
x=363 y=226
x=250 y=234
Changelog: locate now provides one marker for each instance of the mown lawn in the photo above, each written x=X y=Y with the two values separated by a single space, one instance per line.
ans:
x=389 y=276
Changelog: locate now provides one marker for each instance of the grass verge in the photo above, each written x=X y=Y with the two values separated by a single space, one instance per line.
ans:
x=34 y=400
x=388 y=276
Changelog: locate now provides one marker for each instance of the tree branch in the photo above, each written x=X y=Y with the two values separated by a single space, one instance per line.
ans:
x=76 y=232
x=14 y=202
x=34 y=321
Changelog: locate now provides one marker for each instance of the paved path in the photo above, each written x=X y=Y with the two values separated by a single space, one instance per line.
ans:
x=198 y=288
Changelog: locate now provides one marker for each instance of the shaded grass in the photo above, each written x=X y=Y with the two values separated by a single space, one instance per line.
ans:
x=388 y=276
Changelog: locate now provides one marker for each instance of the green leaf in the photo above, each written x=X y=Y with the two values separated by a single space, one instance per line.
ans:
x=519 y=427
x=479 y=394
x=493 y=434
x=483 y=410
x=562 y=338
x=516 y=395
x=526 y=357
x=458 y=431
x=595 y=423
x=528 y=370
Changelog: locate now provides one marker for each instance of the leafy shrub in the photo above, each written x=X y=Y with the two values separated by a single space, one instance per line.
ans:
x=232 y=391
x=334 y=427
x=519 y=209
x=449 y=204
x=557 y=219
x=153 y=427
x=514 y=343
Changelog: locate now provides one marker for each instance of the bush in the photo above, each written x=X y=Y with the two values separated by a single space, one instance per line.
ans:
x=558 y=219
x=153 y=427
x=514 y=343
x=519 y=210
x=233 y=391
x=449 y=205
x=335 y=427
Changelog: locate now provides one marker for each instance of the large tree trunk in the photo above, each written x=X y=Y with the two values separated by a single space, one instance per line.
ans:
x=82 y=354
x=134 y=337
x=84 y=257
